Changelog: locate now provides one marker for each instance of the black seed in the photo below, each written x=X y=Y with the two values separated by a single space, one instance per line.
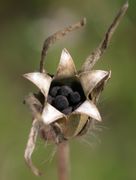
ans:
x=68 y=110
x=60 y=102
x=64 y=90
x=74 y=97
x=54 y=90
x=50 y=99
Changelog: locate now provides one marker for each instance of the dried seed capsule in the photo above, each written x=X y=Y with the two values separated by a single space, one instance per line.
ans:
x=68 y=110
x=50 y=99
x=60 y=102
x=64 y=90
x=54 y=90
x=74 y=97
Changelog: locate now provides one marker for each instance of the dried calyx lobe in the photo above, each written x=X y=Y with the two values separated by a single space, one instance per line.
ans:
x=66 y=95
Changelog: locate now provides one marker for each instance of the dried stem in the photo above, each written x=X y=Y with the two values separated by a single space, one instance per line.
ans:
x=63 y=161
x=98 y=52
x=57 y=36
x=31 y=146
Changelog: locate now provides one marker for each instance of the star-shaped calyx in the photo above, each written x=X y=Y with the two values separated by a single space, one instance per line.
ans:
x=68 y=94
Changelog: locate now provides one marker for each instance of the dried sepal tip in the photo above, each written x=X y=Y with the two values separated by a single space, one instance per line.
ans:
x=66 y=67
x=51 y=114
x=41 y=80
x=89 y=108
x=91 y=79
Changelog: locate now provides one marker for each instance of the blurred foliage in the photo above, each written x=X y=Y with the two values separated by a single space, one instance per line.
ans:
x=23 y=27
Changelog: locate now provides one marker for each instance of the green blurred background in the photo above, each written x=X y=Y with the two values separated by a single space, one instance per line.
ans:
x=111 y=153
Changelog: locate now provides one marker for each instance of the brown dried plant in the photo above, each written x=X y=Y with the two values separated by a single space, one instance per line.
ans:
x=65 y=106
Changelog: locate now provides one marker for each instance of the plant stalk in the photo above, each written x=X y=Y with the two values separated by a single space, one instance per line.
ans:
x=63 y=161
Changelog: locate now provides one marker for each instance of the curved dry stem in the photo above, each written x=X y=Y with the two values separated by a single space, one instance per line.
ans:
x=31 y=146
x=98 y=52
x=57 y=36
x=63 y=161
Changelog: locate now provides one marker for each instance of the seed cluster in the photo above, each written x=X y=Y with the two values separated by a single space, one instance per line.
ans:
x=64 y=98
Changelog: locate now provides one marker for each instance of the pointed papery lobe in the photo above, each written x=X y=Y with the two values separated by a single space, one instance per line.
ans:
x=89 y=108
x=51 y=114
x=66 y=67
x=41 y=80
x=91 y=79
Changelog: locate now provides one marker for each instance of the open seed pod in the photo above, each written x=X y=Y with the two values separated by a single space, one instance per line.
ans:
x=67 y=101
x=72 y=104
